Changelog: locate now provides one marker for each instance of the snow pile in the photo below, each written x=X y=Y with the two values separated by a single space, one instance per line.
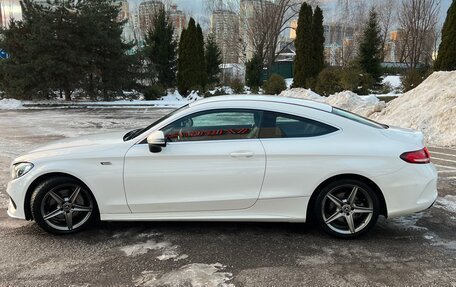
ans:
x=430 y=107
x=364 y=106
x=393 y=81
x=346 y=100
x=172 y=97
x=10 y=104
x=302 y=94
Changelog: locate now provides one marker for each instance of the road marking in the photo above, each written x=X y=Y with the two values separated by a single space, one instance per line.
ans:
x=445 y=166
x=446 y=171
x=450 y=177
x=441 y=153
x=448 y=160
x=443 y=148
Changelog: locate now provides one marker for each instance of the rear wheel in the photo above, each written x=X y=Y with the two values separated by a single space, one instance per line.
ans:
x=63 y=205
x=347 y=208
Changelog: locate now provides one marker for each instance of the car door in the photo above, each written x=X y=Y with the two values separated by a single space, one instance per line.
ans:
x=299 y=152
x=213 y=160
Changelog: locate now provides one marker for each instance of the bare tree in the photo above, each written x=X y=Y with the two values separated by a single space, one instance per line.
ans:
x=262 y=25
x=418 y=22
x=387 y=18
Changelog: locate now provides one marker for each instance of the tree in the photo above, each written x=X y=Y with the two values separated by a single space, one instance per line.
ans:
x=191 y=67
x=160 y=51
x=303 y=69
x=370 y=49
x=417 y=19
x=253 y=69
x=200 y=67
x=63 y=47
x=387 y=18
x=446 y=59
x=318 y=50
x=213 y=57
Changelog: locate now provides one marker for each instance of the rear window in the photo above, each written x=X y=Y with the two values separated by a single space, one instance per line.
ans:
x=358 y=119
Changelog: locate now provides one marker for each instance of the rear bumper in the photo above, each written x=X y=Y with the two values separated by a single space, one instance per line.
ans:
x=411 y=189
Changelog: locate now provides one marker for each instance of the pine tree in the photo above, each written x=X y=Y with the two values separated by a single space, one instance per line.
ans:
x=191 y=67
x=370 y=48
x=318 y=42
x=160 y=51
x=303 y=67
x=213 y=57
x=446 y=59
x=201 y=66
x=253 y=69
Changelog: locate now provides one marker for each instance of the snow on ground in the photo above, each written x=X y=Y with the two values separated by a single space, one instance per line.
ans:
x=346 y=100
x=195 y=274
x=448 y=203
x=289 y=82
x=394 y=82
x=430 y=107
x=10 y=104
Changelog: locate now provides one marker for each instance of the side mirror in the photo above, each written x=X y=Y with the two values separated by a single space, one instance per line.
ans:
x=156 y=141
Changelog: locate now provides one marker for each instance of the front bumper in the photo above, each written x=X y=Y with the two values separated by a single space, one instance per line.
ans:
x=411 y=189
x=16 y=190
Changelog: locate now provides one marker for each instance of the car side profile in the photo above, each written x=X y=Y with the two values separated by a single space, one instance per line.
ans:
x=230 y=158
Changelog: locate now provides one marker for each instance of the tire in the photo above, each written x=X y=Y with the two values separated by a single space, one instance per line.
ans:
x=347 y=208
x=63 y=205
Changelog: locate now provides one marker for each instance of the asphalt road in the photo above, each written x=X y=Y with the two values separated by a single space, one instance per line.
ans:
x=418 y=250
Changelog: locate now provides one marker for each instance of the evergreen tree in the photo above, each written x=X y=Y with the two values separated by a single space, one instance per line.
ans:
x=303 y=65
x=370 y=56
x=253 y=69
x=191 y=67
x=160 y=51
x=446 y=59
x=63 y=47
x=201 y=66
x=213 y=61
x=318 y=42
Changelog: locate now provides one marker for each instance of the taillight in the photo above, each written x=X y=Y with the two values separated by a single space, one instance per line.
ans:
x=418 y=156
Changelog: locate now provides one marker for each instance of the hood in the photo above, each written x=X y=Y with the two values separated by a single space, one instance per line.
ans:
x=82 y=141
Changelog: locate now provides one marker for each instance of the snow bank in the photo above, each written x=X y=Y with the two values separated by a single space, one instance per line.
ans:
x=346 y=100
x=10 y=104
x=350 y=101
x=393 y=81
x=430 y=107
x=302 y=94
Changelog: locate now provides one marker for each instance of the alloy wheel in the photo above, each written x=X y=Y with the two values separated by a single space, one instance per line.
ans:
x=347 y=209
x=66 y=207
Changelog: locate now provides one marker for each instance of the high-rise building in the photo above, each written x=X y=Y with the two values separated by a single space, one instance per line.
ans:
x=225 y=28
x=250 y=11
x=179 y=20
x=124 y=13
x=9 y=9
x=147 y=11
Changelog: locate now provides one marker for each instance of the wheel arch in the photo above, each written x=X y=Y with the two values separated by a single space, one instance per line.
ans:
x=42 y=178
x=373 y=185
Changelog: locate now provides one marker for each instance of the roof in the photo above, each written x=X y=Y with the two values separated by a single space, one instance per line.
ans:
x=274 y=99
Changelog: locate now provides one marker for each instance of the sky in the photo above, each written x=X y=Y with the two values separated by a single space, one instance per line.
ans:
x=196 y=7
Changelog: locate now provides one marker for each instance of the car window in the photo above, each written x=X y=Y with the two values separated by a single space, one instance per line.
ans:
x=279 y=125
x=215 y=125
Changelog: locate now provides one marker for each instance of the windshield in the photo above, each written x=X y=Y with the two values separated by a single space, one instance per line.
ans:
x=358 y=118
x=134 y=133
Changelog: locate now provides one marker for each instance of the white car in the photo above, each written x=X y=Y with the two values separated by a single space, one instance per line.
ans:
x=230 y=158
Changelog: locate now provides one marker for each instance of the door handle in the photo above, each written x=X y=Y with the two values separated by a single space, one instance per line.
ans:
x=245 y=154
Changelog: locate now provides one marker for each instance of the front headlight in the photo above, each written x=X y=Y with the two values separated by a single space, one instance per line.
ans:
x=20 y=169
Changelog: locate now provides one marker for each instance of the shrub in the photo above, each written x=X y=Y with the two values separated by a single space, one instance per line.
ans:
x=237 y=86
x=412 y=78
x=353 y=79
x=154 y=92
x=328 y=82
x=274 y=85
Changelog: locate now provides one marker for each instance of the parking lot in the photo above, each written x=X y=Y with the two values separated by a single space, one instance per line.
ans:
x=418 y=250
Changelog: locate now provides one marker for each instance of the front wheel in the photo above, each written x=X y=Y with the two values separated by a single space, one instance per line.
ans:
x=62 y=205
x=347 y=208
